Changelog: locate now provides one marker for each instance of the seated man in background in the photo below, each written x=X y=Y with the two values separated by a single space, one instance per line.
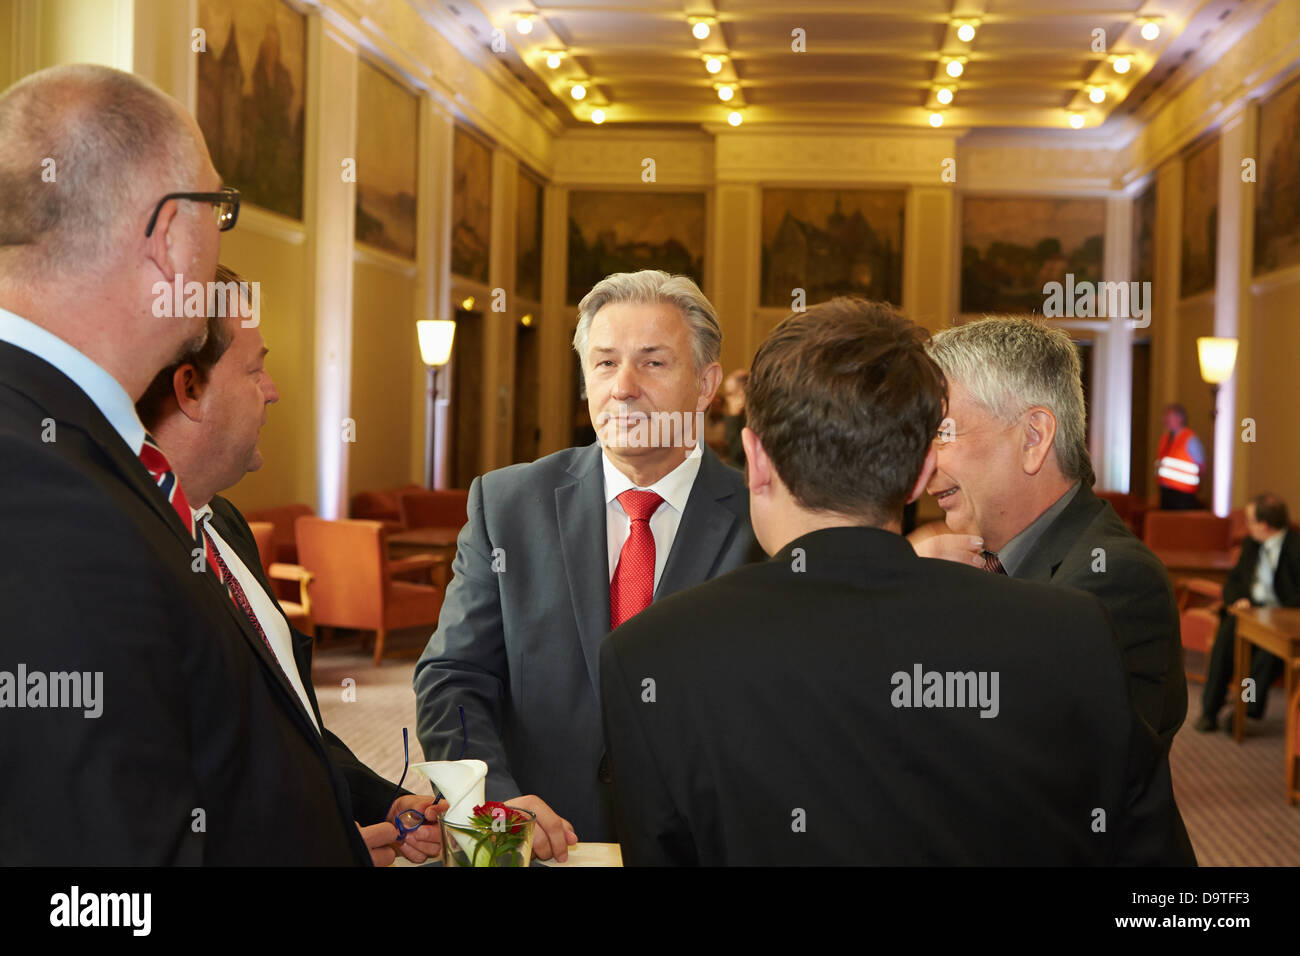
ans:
x=559 y=551
x=1014 y=470
x=1266 y=575
x=848 y=702
x=206 y=411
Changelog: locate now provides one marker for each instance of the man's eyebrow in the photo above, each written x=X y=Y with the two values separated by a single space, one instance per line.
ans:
x=606 y=349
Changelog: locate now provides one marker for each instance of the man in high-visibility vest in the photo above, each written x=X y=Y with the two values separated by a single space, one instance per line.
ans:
x=1179 y=462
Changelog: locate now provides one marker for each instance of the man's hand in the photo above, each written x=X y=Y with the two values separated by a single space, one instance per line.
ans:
x=962 y=548
x=1241 y=604
x=378 y=838
x=425 y=842
x=553 y=835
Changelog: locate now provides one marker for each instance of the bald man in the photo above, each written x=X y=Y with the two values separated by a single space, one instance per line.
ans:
x=130 y=683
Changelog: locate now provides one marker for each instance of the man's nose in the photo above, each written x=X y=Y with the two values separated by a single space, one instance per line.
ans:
x=270 y=391
x=625 y=382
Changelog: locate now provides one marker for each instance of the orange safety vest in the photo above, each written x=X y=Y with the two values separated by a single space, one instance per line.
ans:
x=1175 y=467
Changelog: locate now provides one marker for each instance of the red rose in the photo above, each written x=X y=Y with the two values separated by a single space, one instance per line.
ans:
x=494 y=810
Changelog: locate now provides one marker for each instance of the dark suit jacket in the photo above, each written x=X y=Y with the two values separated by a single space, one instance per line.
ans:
x=753 y=720
x=518 y=647
x=202 y=753
x=1134 y=588
x=372 y=795
x=1286 y=577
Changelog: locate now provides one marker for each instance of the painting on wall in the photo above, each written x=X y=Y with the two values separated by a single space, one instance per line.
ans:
x=1277 y=197
x=1143 y=266
x=628 y=231
x=831 y=242
x=1200 y=218
x=251 y=98
x=388 y=116
x=528 y=238
x=471 y=206
x=1012 y=247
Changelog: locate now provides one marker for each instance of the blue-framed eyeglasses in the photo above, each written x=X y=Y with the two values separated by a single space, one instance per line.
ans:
x=408 y=821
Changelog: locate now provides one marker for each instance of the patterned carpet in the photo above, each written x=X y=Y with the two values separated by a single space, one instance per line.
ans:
x=1230 y=795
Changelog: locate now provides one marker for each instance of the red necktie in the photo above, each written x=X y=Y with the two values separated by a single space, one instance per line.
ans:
x=233 y=587
x=633 y=586
x=152 y=457
x=993 y=563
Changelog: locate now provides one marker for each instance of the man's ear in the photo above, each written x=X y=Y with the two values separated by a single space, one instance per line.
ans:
x=188 y=389
x=1039 y=433
x=758 y=467
x=709 y=383
x=927 y=472
x=161 y=245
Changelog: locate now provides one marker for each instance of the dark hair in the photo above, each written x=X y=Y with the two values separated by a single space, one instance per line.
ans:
x=1176 y=407
x=847 y=402
x=1271 y=510
x=153 y=402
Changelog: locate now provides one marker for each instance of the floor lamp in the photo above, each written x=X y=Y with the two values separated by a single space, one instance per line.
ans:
x=435 y=336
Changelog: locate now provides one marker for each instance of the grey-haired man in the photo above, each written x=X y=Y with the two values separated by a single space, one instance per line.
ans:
x=559 y=551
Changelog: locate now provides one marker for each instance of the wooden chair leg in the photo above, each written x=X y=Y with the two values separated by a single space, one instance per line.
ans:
x=379 y=646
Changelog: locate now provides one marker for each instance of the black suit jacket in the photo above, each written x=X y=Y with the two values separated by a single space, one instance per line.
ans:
x=1286 y=577
x=1134 y=588
x=752 y=720
x=202 y=753
x=519 y=632
x=372 y=795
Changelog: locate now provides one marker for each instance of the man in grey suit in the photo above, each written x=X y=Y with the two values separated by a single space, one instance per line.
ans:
x=1013 y=468
x=559 y=551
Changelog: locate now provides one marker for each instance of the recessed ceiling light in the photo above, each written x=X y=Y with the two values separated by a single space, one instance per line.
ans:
x=597 y=117
x=578 y=91
x=944 y=95
x=1150 y=30
x=1097 y=94
x=524 y=23
x=966 y=32
x=1076 y=120
x=553 y=60
x=725 y=92
x=713 y=64
x=936 y=119
x=700 y=29
x=735 y=119
x=954 y=68
x=1121 y=64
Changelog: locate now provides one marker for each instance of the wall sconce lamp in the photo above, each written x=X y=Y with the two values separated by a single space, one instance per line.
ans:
x=1217 y=357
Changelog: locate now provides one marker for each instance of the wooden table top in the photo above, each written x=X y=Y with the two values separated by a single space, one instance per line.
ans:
x=441 y=537
x=1192 y=559
x=1282 y=621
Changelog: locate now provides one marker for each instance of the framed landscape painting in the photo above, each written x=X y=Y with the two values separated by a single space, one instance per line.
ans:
x=831 y=242
x=250 y=98
x=471 y=206
x=1143 y=266
x=1277 y=197
x=1200 y=218
x=528 y=238
x=388 y=117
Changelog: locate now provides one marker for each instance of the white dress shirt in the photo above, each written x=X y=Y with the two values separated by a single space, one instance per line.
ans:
x=100 y=387
x=674 y=488
x=1262 y=591
x=268 y=614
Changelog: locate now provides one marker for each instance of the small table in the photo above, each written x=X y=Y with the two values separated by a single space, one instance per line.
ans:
x=1191 y=562
x=438 y=541
x=1276 y=630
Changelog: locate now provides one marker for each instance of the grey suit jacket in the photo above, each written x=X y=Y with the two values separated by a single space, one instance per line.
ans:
x=518 y=638
x=1134 y=588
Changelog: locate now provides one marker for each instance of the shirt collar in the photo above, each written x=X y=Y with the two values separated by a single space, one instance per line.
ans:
x=101 y=388
x=674 y=487
x=1014 y=551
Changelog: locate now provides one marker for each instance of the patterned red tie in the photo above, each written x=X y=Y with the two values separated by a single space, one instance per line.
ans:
x=633 y=586
x=993 y=563
x=152 y=457
x=233 y=587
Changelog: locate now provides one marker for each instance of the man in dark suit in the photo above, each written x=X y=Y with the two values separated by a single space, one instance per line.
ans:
x=1014 y=469
x=1266 y=575
x=196 y=753
x=848 y=702
x=558 y=551
x=206 y=412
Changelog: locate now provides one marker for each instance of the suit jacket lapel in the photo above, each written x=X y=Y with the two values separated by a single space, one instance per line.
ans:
x=703 y=530
x=580 y=511
x=1041 y=563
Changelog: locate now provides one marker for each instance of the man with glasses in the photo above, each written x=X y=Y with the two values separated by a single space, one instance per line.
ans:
x=129 y=680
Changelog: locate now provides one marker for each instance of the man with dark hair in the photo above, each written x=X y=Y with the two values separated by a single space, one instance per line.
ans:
x=1180 y=460
x=848 y=702
x=1266 y=575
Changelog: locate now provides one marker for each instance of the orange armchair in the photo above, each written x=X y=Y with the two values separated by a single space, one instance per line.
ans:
x=448 y=508
x=1198 y=617
x=283 y=538
x=353 y=581
x=1187 y=530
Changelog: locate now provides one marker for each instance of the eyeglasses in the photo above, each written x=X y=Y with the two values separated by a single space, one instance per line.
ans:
x=225 y=204
x=408 y=821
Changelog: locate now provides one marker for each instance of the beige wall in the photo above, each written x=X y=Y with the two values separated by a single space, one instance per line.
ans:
x=1271 y=393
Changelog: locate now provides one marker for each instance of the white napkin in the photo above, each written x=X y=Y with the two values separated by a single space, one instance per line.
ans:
x=462 y=782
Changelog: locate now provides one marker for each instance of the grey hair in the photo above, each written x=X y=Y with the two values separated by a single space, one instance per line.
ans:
x=83 y=150
x=647 y=287
x=1009 y=365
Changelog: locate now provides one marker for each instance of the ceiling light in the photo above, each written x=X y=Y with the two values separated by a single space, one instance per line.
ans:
x=954 y=68
x=735 y=119
x=467 y=303
x=524 y=23
x=943 y=95
x=700 y=28
x=936 y=119
x=1097 y=94
x=1150 y=30
x=1121 y=64
x=713 y=64
x=597 y=117
x=578 y=91
x=725 y=92
x=1076 y=120
x=966 y=32
x=553 y=60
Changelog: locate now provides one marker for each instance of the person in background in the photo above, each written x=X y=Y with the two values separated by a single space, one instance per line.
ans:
x=733 y=390
x=1266 y=575
x=1180 y=460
